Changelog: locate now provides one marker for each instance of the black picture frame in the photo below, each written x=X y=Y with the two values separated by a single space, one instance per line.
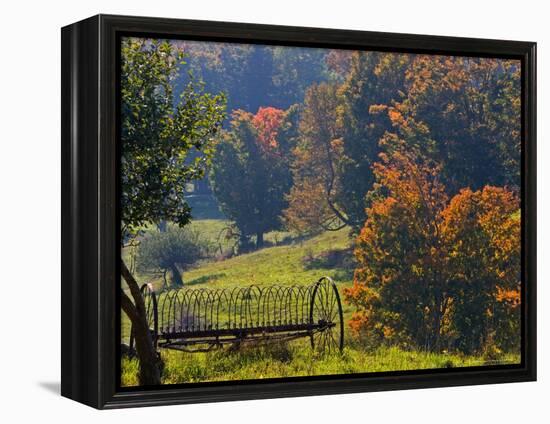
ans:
x=90 y=233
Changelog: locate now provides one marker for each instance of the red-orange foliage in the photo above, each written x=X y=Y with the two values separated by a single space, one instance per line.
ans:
x=267 y=122
x=250 y=174
x=431 y=272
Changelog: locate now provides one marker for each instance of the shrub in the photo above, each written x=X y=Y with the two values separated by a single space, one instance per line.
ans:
x=173 y=250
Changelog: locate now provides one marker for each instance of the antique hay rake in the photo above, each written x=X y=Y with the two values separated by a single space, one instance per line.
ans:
x=198 y=320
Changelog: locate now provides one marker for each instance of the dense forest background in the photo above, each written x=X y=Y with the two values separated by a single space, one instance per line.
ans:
x=399 y=172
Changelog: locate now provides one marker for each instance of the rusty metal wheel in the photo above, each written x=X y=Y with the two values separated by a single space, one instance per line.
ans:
x=327 y=317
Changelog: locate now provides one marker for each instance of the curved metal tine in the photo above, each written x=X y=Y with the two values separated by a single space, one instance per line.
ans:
x=192 y=312
x=236 y=306
x=169 y=318
x=222 y=302
x=300 y=304
x=256 y=295
x=304 y=304
x=197 y=310
x=168 y=300
x=267 y=306
x=278 y=305
x=249 y=300
x=159 y=308
x=307 y=293
x=262 y=314
x=211 y=299
x=297 y=293
x=167 y=311
x=311 y=292
x=176 y=307
x=172 y=312
x=162 y=304
x=243 y=292
x=205 y=300
x=297 y=307
x=179 y=297
x=268 y=302
x=232 y=307
x=215 y=313
x=184 y=306
x=288 y=305
x=183 y=301
x=287 y=301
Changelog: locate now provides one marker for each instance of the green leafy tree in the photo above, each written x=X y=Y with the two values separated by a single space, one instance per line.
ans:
x=250 y=172
x=295 y=70
x=159 y=131
x=173 y=250
x=375 y=80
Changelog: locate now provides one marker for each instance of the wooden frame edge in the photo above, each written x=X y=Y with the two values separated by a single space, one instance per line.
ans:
x=89 y=160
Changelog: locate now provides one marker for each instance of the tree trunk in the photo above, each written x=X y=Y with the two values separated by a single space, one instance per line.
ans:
x=149 y=362
x=177 y=280
x=259 y=240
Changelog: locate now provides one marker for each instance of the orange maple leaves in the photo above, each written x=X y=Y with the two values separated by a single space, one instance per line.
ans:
x=267 y=122
x=417 y=252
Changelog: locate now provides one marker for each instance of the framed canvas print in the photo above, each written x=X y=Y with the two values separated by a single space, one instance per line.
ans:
x=256 y=211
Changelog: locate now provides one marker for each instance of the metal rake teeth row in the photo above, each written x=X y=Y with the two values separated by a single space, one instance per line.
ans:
x=183 y=317
x=202 y=309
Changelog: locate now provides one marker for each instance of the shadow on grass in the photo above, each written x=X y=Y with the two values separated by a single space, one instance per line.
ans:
x=343 y=274
x=204 y=279
x=341 y=261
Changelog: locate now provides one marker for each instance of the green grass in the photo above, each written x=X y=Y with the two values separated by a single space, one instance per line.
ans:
x=299 y=262
x=274 y=265
x=294 y=360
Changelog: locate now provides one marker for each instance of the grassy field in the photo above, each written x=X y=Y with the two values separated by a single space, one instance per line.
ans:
x=299 y=262
x=302 y=262
x=293 y=360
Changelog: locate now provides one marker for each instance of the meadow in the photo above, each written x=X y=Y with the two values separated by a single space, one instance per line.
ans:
x=285 y=261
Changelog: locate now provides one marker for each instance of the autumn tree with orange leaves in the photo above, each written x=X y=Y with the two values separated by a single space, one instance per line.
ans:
x=316 y=165
x=433 y=273
x=466 y=111
x=481 y=230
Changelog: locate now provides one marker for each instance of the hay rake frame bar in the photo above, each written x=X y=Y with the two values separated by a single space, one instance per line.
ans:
x=198 y=320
